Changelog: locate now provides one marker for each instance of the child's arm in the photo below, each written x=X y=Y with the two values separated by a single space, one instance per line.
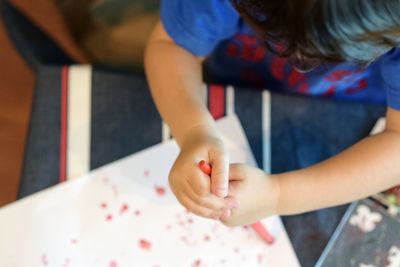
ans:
x=175 y=78
x=366 y=168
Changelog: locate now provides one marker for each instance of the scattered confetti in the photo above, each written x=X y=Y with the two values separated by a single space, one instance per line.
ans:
x=144 y=244
x=160 y=190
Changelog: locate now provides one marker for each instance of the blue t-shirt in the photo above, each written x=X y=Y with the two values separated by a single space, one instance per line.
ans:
x=214 y=28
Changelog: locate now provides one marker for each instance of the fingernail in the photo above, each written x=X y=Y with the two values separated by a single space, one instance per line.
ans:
x=222 y=192
x=215 y=216
x=225 y=214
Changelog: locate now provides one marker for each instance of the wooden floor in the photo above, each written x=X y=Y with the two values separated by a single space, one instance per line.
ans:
x=16 y=88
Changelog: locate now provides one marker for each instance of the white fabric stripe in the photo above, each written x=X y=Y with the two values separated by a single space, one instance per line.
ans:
x=205 y=93
x=79 y=120
x=166 y=133
x=379 y=126
x=266 y=128
x=230 y=100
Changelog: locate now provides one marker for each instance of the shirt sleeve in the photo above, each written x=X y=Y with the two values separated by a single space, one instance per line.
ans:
x=390 y=70
x=199 y=25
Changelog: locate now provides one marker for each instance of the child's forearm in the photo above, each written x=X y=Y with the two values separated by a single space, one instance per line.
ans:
x=369 y=167
x=175 y=78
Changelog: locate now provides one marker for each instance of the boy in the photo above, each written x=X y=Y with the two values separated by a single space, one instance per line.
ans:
x=344 y=48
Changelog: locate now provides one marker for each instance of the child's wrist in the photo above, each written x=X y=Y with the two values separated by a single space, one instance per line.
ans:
x=201 y=131
x=274 y=192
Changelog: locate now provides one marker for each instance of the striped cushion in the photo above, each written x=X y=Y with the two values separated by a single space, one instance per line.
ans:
x=84 y=118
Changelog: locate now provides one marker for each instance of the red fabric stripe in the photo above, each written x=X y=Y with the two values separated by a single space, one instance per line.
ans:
x=216 y=101
x=64 y=124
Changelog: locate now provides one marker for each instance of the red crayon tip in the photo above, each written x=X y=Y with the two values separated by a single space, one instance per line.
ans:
x=263 y=232
x=205 y=167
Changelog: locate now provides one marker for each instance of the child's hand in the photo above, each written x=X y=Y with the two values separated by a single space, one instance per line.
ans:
x=257 y=192
x=191 y=186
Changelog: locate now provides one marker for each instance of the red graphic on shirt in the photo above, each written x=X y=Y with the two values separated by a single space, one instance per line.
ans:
x=348 y=77
x=330 y=91
x=278 y=68
x=246 y=47
x=295 y=78
x=338 y=75
x=304 y=88
x=362 y=84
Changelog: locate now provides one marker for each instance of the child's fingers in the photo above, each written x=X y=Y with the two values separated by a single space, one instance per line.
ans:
x=211 y=201
x=219 y=161
x=200 y=210
x=200 y=184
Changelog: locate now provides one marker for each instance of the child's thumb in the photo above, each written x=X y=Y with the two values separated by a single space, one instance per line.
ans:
x=219 y=175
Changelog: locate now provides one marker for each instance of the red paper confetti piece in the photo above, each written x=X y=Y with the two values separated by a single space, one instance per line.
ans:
x=160 y=190
x=103 y=205
x=44 y=260
x=124 y=208
x=197 y=263
x=66 y=263
x=109 y=217
x=207 y=238
x=144 y=244
x=260 y=258
x=115 y=190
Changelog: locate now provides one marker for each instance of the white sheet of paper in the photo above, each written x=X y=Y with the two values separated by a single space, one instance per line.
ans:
x=124 y=214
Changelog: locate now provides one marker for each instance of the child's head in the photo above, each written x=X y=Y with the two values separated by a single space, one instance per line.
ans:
x=327 y=30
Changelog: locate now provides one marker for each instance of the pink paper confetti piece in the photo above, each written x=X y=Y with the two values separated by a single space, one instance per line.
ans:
x=74 y=241
x=260 y=258
x=190 y=220
x=113 y=264
x=160 y=190
x=109 y=217
x=197 y=263
x=146 y=173
x=144 y=244
x=137 y=212
x=124 y=208
x=103 y=205
x=114 y=189
x=66 y=263
x=44 y=260
x=207 y=238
